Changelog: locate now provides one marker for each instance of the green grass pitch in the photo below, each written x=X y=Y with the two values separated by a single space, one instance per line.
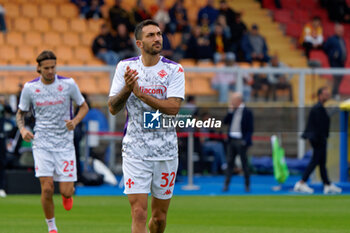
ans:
x=187 y=214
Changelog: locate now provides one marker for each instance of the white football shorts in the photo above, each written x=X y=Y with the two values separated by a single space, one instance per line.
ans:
x=155 y=177
x=59 y=165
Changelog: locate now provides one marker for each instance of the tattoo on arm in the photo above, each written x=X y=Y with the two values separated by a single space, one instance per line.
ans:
x=20 y=119
x=117 y=102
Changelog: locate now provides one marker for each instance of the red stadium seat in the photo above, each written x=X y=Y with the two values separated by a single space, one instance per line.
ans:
x=344 y=88
x=282 y=16
x=289 y=4
x=269 y=4
x=294 y=29
x=328 y=29
x=301 y=16
x=308 y=4
x=320 y=56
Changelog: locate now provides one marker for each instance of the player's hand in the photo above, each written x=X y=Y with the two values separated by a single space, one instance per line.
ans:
x=26 y=135
x=70 y=124
x=130 y=78
x=136 y=90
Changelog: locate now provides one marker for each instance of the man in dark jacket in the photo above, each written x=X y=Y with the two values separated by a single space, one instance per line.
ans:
x=103 y=45
x=240 y=121
x=317 y=131
x=335 y=49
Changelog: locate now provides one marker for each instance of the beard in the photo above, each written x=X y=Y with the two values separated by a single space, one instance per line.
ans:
x=152 y=50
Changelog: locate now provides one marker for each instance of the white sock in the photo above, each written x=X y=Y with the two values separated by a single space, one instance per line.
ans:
x=51 y=224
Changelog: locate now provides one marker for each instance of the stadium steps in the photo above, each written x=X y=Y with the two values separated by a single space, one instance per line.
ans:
x=278 y=43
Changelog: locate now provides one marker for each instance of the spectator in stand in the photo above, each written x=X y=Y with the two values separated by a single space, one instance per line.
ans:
x=229 y=13
x=123 y=44
x=254 y=46
x=140 y=13
x=198 y=46
x=238 y=29
x=160 y=13
x=221 y=20
x=118 y=15
x=338 y=11
x=102 y=46
x=335 y=49
x=94 y=10
x=210 y=12
x=212 y=146
x=220 y=43
x=312 y=36
x=83 y=6
x=178 y=18
x=2 y=20
x=225 y=82
x=205 y=25
x=167 y=50
x=278 y=81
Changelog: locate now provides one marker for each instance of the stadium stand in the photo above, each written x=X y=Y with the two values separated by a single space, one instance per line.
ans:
x=56 y=25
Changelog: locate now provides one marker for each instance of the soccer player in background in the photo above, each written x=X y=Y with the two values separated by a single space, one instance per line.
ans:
x=50 y=97
x=148 y=84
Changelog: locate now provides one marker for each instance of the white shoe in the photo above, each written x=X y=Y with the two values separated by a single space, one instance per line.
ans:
x=302 y=188
x=331 y=189
x=2 y=193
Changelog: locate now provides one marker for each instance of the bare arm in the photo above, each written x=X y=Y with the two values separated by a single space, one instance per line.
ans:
x=170 y=106
x=83 y=110
x=26 y=134
x=117 y=102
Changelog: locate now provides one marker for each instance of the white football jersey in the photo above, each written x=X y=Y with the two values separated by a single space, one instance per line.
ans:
x=52 y=105
x=163 y=80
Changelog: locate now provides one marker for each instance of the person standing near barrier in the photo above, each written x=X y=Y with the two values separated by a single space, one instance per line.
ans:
x=317 y=131
x=50 y=96
x=335 y=49
x=148 y=85
x=241 y=126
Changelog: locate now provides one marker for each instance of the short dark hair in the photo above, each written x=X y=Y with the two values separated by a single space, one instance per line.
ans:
x=320 y=90
x=140 y=26
x=45 y=55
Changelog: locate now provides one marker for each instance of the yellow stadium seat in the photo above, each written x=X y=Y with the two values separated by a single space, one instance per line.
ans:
x=29 y=10
x=48 y=10
x=83 y=53
x=7 y=54
x=22 y=24
x=87 y=38
x=94 y=25
x=12 y=10
x=78 y=25
x=187 y=62
x=2 y=38
x=71 y=39
x=68 y=10
x=64 y=54
x=59 y=25
x=26 y=53
x=33 y=38
x=14 y=38
x=41 y=24
x=42 y=47
x=52 y=38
